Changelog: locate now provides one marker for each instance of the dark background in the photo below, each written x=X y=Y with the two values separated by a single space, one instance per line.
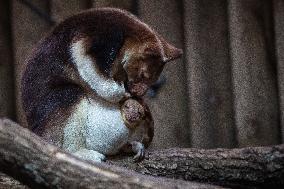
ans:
x=226 y=91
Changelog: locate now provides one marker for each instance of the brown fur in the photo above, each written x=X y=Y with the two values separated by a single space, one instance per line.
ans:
x=51 y=85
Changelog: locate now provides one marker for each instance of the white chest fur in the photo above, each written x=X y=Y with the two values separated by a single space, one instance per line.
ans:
x=107 y=88
x=95 y=126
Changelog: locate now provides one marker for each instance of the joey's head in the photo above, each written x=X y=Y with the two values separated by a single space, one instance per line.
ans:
x=115 y=52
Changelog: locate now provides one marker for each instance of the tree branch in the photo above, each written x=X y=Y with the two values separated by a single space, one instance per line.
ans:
x=27 y=158
x=8 y=182
x=243 y=167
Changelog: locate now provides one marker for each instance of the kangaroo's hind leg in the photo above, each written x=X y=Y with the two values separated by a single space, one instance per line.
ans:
x=75 y=134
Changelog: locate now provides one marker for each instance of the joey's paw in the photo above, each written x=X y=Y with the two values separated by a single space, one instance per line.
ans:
x=139 y=149
x=139 y=156
x=90 y=155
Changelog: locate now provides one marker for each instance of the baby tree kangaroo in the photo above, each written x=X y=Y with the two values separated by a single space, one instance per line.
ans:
x=83 y=85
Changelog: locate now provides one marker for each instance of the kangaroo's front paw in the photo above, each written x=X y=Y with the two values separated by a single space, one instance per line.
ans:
x=90 y=155
x=139 y=150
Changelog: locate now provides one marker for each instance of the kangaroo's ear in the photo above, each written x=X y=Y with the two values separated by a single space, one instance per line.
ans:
x=171 y=52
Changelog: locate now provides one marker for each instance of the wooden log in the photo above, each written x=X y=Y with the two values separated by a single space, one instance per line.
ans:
x=24 y=156
x=10 y=183
x=32 y=161
x=243 y=167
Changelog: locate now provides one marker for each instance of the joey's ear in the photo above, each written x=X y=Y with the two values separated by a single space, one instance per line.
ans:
x=171 y=52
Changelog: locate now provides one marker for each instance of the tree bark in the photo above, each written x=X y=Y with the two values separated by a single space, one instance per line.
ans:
x=27 y=158
x=243 y=167
x=32 y=161
x=8 y=182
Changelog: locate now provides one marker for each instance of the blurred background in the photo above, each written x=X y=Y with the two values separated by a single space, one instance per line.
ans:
x=226 y=91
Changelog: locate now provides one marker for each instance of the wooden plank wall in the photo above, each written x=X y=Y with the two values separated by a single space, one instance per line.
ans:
x=27 y=29
x=7 y=94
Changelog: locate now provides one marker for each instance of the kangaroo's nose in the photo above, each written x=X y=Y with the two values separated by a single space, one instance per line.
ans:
x=137 y=89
